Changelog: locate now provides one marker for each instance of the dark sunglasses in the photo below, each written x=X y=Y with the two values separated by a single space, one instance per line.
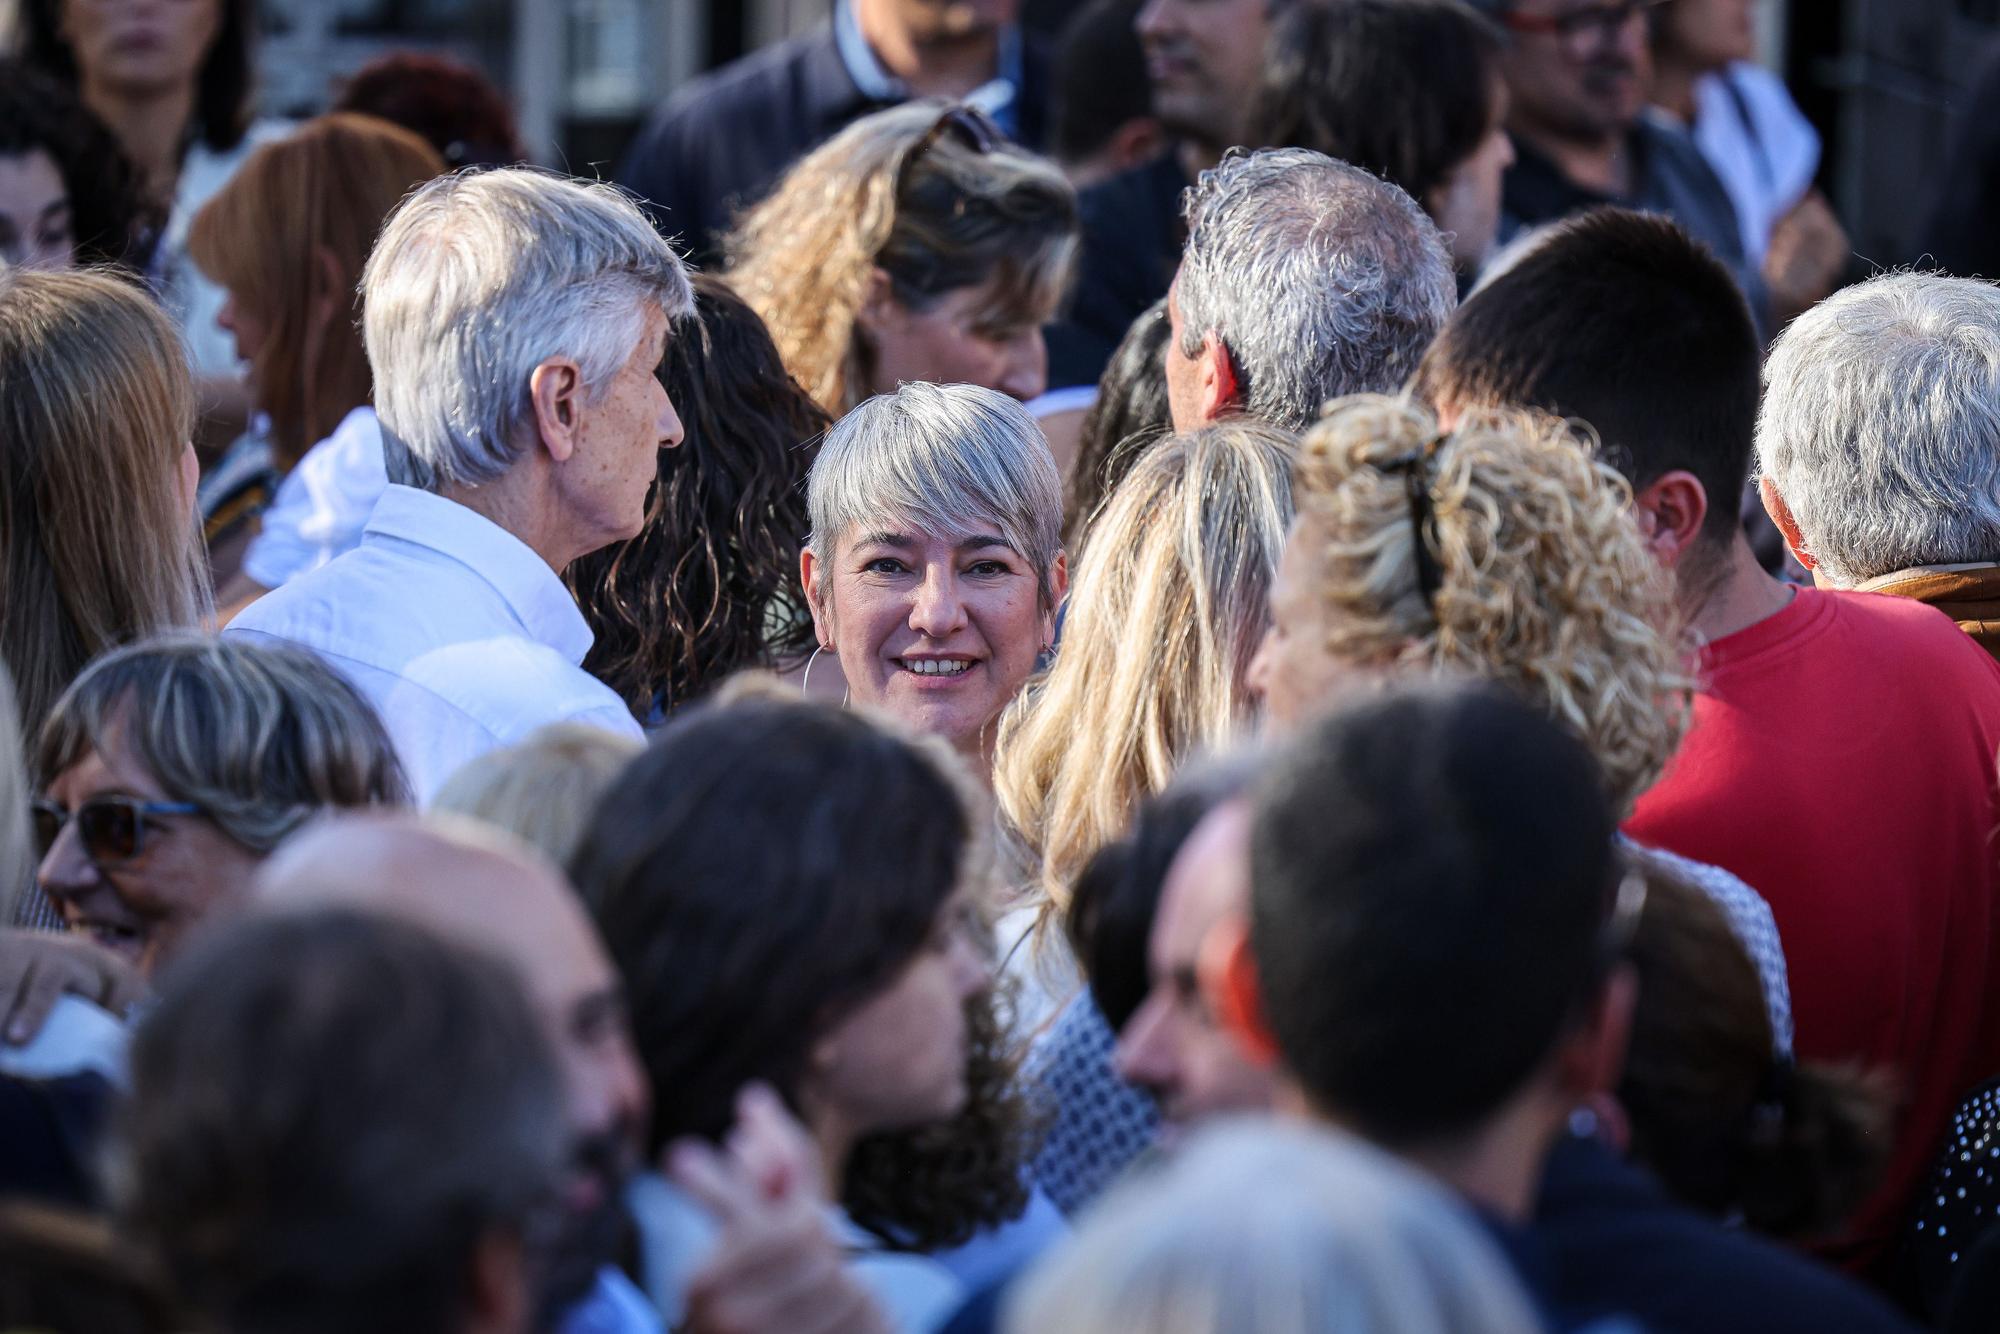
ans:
x=1415 y=467
x=113 y=829
x=971 y=127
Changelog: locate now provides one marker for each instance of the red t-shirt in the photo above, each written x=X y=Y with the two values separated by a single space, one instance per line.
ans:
x=1842 y=762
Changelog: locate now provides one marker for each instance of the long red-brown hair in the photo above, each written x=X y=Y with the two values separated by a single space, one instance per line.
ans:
x=326 y=188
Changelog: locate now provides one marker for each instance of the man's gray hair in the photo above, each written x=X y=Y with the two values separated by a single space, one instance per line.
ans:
x=1320 y=279
x=952 y=460
x=1881 y=425
x=480 y=277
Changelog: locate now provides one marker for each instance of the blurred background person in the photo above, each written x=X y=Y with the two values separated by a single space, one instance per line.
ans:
x=1279 y=1229
x=286 y=239
x=711 y=584
x=1576 y=91
x=935 y=567
x=1203 y=58
x=1168 y=608
x=96 y=481
x=1408 y=89
x=794 y=895
x=1706 y=78
x=266 y=1154
x=68 y=195
x=543 y=790
x=174 y=83
x=451 y=105
x=716 y=147
x=915 y=245
x=1101 y=105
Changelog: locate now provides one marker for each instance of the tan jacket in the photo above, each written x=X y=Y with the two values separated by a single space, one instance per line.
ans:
x=1969 y=594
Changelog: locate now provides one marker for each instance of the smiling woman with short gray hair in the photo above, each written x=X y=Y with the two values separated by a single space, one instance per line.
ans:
x=935 y=563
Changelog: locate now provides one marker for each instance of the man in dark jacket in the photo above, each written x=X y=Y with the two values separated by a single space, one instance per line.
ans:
x=724 y=140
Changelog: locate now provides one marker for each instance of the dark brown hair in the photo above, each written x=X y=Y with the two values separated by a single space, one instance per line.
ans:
x=223 y=87
x=710 y=586
x=1725 y=1123
x=1624 y=321
x=112 y=220
x=1403 y=88
x=766 y=867
x=1129 y=414
x=450 y=103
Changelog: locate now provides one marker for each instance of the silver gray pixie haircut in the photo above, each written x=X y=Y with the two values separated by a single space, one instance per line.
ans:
x=477 y=279
x=1320 y=279
x=949 y=459
x=1881 y=425
x=1270 y=1227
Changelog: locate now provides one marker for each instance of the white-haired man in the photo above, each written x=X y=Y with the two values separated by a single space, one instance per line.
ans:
x=1303 y=279
x=513 y=320
x=1879 y=443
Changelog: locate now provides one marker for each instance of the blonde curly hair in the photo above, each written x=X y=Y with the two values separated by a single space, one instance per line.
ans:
x=1167 y=609
x=1543 y=580
x=804 y=257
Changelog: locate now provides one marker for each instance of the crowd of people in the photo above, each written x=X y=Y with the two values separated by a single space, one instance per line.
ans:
x=1300 y=666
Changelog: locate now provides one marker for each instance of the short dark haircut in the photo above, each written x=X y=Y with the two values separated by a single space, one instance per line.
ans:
x=710 y=586
x=1130 y=414
x=1624 y=321
x=223 y=87
x=112 y=218
x=329 y=1112
x=1404 y=88
x=1430 y=875
x=1100 y=79
x=1109 y=920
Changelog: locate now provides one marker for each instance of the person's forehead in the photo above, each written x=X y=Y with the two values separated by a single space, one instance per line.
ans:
x=111 y=765
x=1208 y=881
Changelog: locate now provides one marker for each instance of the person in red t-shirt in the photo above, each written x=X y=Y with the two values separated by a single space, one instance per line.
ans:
x=1842 y=756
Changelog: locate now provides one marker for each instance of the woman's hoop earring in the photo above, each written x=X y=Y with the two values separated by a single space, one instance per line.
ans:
x=806 y=681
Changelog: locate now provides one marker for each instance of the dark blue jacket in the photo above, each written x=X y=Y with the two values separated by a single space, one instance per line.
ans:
x=723 y=140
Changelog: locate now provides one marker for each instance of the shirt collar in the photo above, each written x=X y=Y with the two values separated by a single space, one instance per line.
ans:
x=997 y=97
x=1882 y=581
x=546 y=611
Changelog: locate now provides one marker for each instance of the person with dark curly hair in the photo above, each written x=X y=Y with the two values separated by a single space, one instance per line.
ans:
x=794 y=896
x=710 y=586
x=68 y=194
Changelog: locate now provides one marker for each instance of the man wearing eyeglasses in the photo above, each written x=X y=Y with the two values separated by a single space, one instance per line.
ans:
x=1576 y=75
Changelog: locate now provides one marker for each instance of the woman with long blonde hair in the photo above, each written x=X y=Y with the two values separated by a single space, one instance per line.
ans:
x=916 y=244
x=98 y=542
x=1167 y=610
x=286 y=239
x=1505 y=550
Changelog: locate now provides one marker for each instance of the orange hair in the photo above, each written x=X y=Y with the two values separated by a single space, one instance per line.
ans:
x=324 y=189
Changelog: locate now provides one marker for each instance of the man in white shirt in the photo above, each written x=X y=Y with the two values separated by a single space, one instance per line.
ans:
x=513 y=320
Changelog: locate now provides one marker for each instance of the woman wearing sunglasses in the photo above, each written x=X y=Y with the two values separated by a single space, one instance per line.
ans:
x=170 y=768
x=914 y=245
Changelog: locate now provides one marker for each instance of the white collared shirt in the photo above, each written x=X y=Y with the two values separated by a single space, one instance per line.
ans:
x=323 y=504
x=462 y=637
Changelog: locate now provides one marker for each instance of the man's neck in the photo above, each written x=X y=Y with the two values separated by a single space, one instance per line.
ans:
x=1729 y=592
x=950 y=67
x=527 y=511
x=150 y=126
x=1673 y=89
x=1498 y=1168
x=1598 y=164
